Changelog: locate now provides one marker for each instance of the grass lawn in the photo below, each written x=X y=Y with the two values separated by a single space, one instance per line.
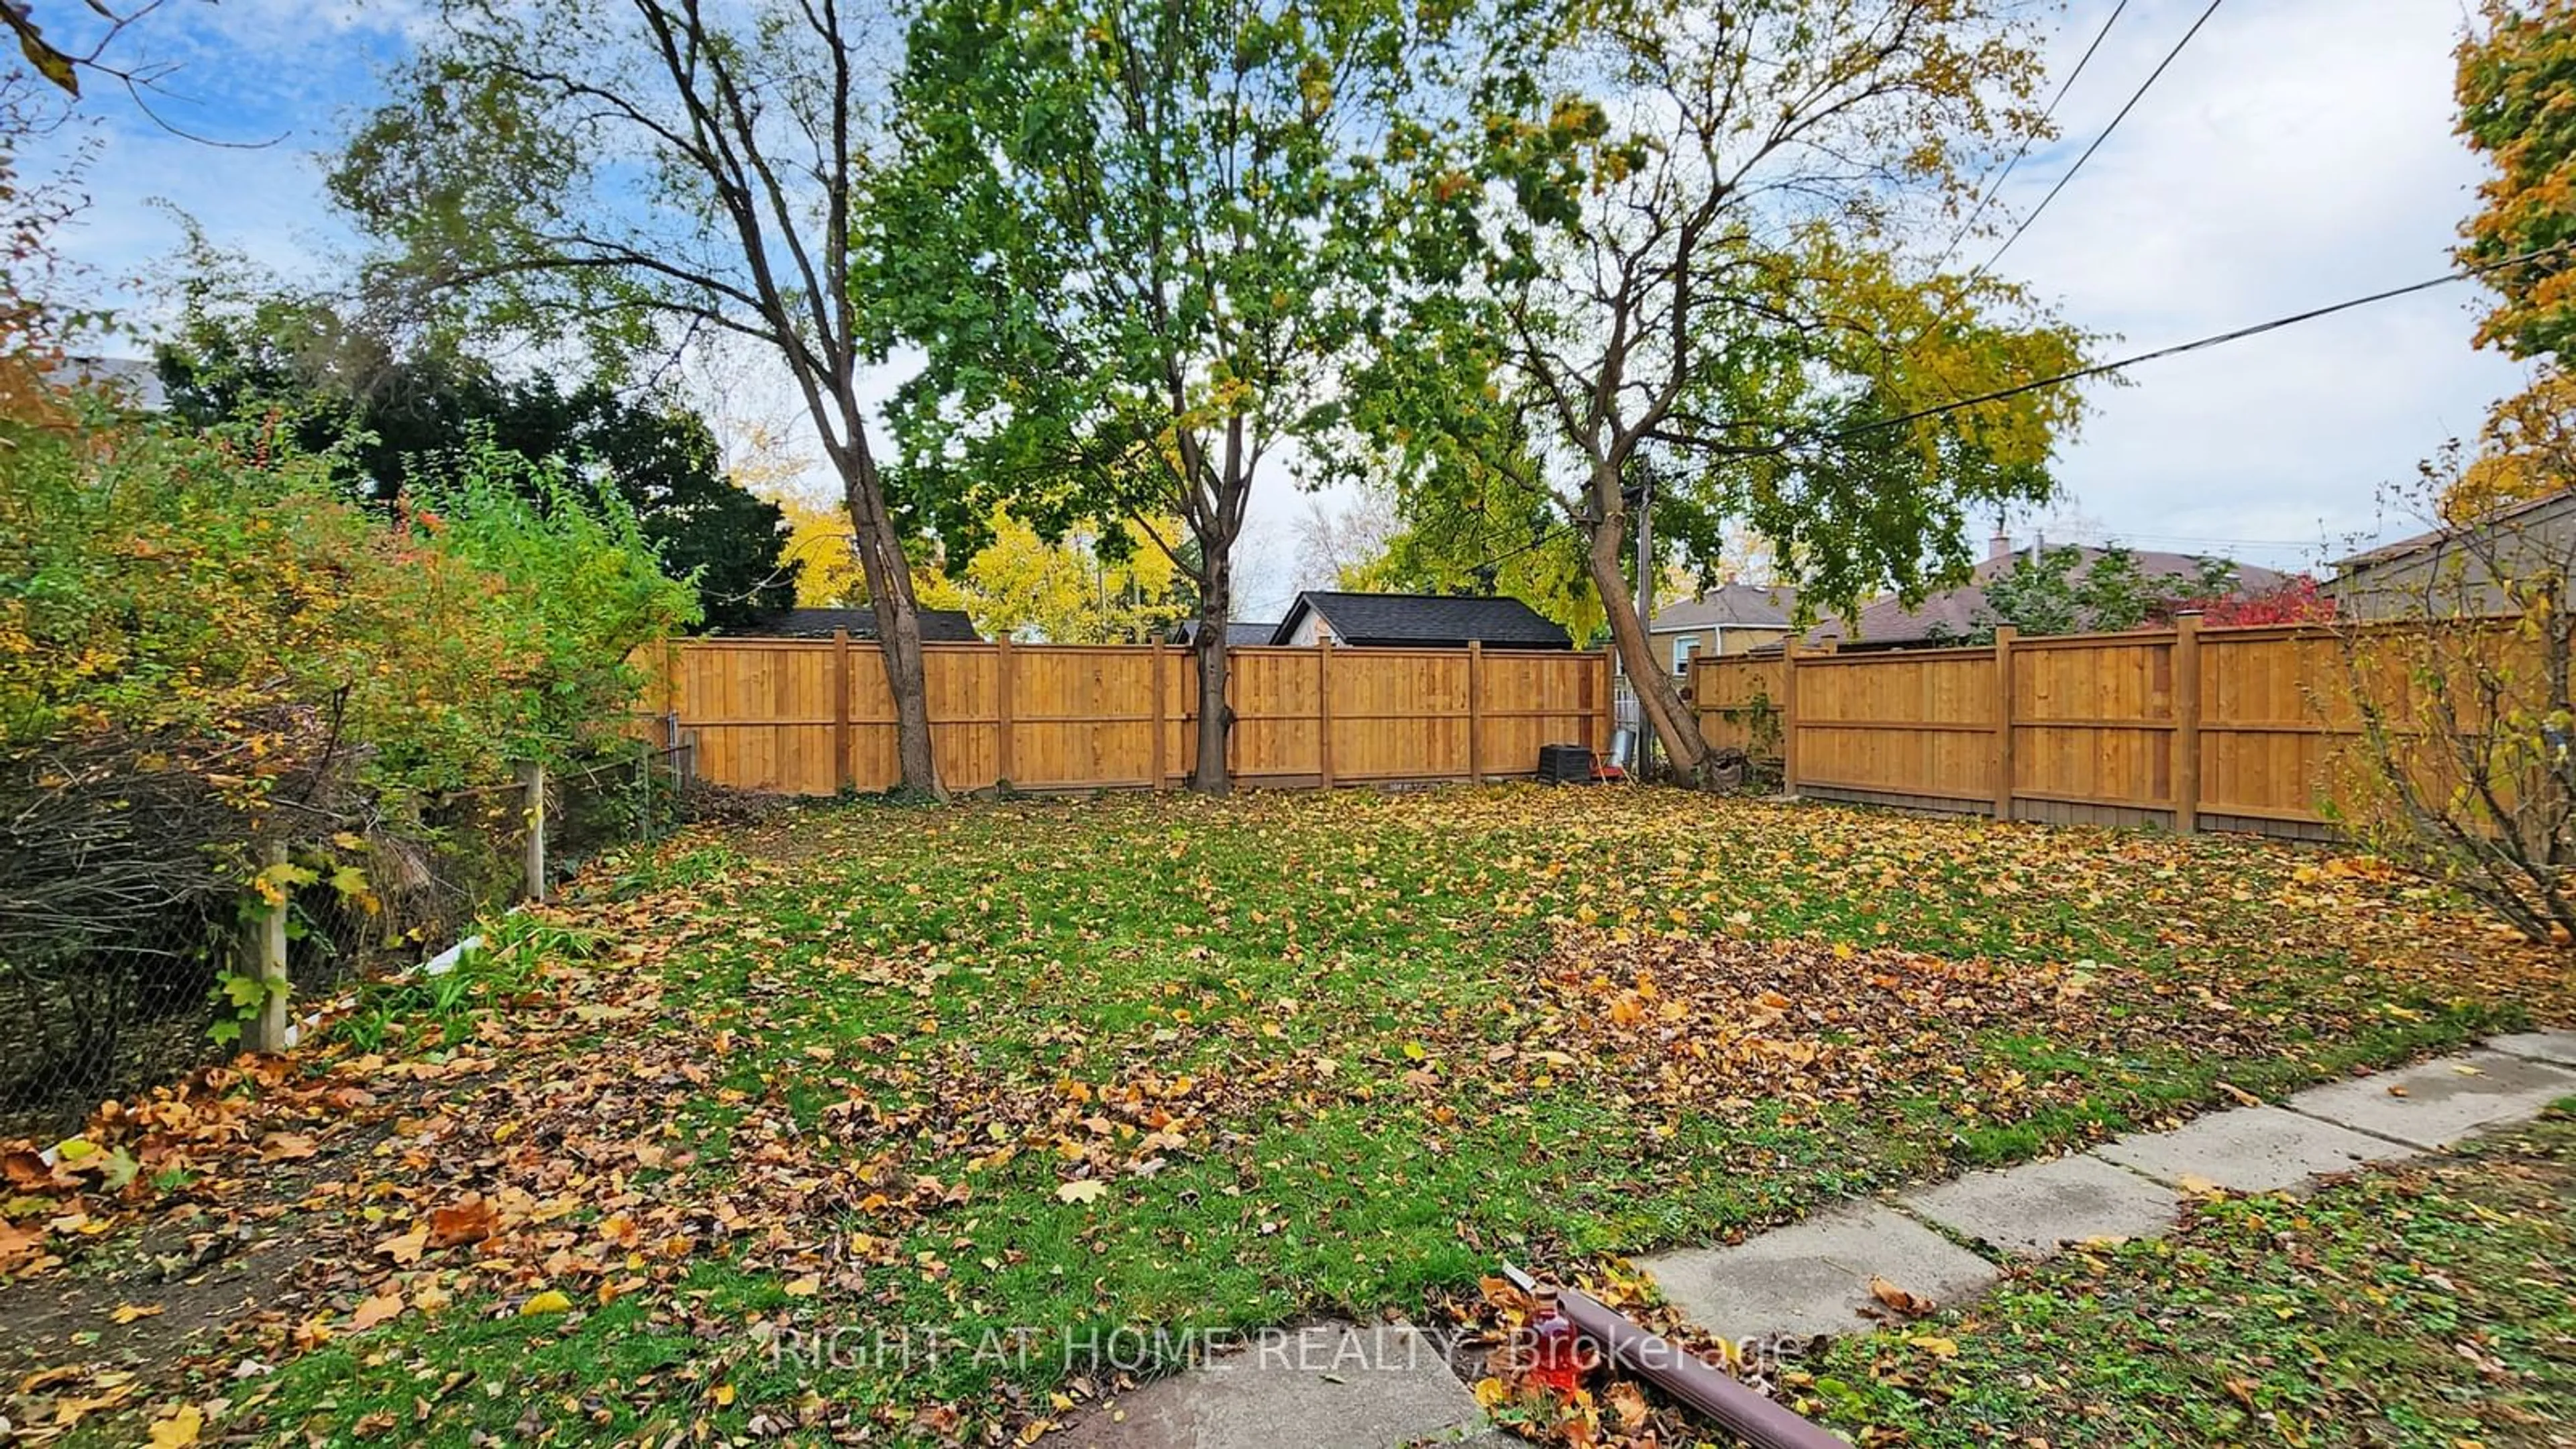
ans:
x=851 y=1119
x=2428 y=1304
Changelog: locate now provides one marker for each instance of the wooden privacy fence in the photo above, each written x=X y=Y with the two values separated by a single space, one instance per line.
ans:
x=813 y=717
x=2223 y=729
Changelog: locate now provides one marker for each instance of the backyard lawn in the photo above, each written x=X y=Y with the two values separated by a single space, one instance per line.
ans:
x=849 y=1118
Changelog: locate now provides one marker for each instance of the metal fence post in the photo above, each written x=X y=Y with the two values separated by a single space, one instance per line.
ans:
x=268 y=958
x=532 y=789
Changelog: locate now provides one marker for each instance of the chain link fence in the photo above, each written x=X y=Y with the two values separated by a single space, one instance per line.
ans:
x=105 y=999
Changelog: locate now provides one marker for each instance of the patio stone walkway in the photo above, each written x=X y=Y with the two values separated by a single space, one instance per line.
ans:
x=1341 y=1386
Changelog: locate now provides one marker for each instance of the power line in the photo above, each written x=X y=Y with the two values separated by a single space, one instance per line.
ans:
x=2199 y=344
x=2124 y=533
x=1987 y=192
x=2140 y=95
x=1790 y=438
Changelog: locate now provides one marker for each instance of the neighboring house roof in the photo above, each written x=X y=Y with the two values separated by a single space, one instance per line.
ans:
x=1732 y=606
x=2528 y=511
x=1238 y=633
x=938 y=626
x=1885 y=622
x=133 y=381
x=1417 y=620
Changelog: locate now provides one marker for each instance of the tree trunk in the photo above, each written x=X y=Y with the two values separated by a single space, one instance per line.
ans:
x=1216 y=718
x=1657 y=700
x=881 y=559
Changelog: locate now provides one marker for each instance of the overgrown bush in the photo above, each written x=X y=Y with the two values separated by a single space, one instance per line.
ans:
x=206 y=651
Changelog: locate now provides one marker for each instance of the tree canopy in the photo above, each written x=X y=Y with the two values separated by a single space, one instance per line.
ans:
x=2517 y=95
x=1134 y=242
x=635 y=173
x=1690 y=256
x=382 y=423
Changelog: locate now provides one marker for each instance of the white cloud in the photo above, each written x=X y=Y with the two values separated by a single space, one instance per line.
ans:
x=2298 y=153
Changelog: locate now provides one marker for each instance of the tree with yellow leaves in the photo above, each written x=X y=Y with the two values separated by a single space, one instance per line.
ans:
x=2517 y=94
x=1088 y=588
x=818 y=543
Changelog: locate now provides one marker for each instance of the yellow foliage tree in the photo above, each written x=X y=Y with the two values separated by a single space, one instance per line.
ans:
x=1019 y=586
x=2527 y=451
x=818 y=543
x=1081 y=590
x=2515 y=72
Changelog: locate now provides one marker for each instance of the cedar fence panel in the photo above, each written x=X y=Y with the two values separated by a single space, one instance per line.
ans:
x=811 y=716
x=2190 y=728
x=1921 y=725
x=1739 y=699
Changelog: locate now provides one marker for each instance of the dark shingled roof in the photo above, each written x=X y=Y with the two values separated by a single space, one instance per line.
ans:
x=1388 y=621
x=1238 y=633
x=938 y=626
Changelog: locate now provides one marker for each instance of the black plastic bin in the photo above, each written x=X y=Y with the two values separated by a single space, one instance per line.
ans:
x=1565 y=764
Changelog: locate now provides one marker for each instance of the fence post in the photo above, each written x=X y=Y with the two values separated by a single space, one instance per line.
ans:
x=268 y=960
x=1162 y=722
x=2186 y=716
x=1475 y=711
x=1789 y=717
x=1607 y=720
x=2004 y=637
x=843 y=773
x=532 y=794
x=1004 y=762
x=1324 y=707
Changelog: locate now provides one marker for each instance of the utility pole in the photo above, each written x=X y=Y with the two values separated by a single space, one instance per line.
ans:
x=1645 y=606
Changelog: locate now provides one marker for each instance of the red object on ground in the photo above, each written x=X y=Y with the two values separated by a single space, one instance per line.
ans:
x=1760 y=1422
x=1558 y=1357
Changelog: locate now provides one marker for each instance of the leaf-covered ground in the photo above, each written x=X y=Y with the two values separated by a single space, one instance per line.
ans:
x=899 y=1123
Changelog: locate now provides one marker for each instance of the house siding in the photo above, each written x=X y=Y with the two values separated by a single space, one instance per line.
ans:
x=2446 y=578
x=1716 y=640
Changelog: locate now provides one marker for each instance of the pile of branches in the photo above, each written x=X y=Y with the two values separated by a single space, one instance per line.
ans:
x=105 y=836
x=123 y=862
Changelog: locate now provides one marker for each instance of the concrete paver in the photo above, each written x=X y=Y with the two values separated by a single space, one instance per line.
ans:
x=2033 y=1210
x=2251 y=1149
x=2440 y=1102
x=1330 y=1385
x=1813 y=1277
x=2539 y=1046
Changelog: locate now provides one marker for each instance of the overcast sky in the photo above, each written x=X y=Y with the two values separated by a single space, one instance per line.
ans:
x=2298 y=153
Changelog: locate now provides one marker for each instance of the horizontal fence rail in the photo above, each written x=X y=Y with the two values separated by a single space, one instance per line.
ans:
x=812 y=717
x=2219 y=729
